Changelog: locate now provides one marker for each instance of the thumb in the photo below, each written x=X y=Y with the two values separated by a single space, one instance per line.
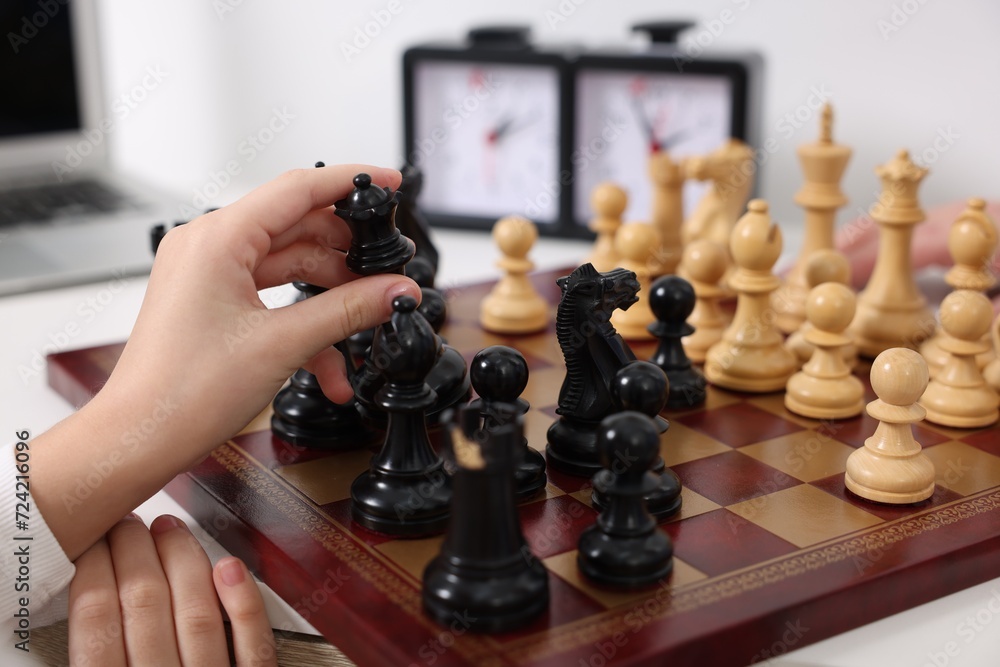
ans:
x=330 y=317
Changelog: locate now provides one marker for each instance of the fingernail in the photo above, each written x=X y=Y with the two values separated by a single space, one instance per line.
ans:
x=231 y=571
x=164 y=523
x=133 y=515
x=404 y=288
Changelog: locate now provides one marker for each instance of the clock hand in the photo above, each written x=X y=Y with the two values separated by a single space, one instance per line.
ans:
x=674 y=139
x=647 y=126
x=508 y=126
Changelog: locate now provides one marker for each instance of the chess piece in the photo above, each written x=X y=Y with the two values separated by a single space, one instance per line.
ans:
x=667 y=216
x=485 y=571
x=750 y=357
x=891 y=468
x=420 y=271
x=641 y=386
x=891 y=310
x=823 y=164
x=376 y=244
x=825 y=387
x=378 y=247
x=305 y=417
x=704 y=264
x=412 y=222
x=499 y=375
x=823 y=266
x=513 y=306
x=730 y=169
x=635 y=243
x=624 y=547
x=991 y=373
x=405 y=492
x=972 y=241
x=609 y=202
x=672 y=300
x=593 y=352
x=959 y=396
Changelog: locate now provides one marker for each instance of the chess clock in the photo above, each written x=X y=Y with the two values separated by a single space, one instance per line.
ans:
x=486 y=123
x=502 y=127
x=628 y=104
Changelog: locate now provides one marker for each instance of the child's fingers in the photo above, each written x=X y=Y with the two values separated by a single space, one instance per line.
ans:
x=253 y=639
x=329 y=368
x=279 y=204
x=201 y=637
x=322 y=227
x=308 y=262
x=95 y=617
x=143 y=594
x=318 y=322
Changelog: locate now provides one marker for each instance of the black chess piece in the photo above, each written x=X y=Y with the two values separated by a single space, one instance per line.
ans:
x=672 y=299
x=433 y=307
x=411 y=220
x=376 y=244
x=305 y=417
x=499 y=374
x=405 y=492
x=378 y=247
x=485 y=571
x=420 y=271
x=593 y=352
x=625 y=547
x=642 y=387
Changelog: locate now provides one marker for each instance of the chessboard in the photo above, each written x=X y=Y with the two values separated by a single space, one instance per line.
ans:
x=771 y=551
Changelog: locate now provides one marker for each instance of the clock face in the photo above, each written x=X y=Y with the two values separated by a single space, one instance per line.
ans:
x=487 y=139
x=622 y=115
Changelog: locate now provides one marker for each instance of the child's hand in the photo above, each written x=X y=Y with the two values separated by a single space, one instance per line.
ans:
x=144 y=597
x=204 y=340
x=206 y=355
x=858 y=240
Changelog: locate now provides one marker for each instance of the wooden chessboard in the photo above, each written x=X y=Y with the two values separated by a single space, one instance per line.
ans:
x=771 y=552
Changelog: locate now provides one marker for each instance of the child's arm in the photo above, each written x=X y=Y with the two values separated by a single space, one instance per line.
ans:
x=205 y=355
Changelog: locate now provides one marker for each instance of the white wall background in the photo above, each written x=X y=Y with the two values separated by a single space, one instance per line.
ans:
x=230 y=63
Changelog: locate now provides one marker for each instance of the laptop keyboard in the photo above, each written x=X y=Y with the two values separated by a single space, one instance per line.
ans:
x=62 y=200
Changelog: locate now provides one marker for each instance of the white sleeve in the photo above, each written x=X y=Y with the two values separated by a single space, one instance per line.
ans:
x=34 y=570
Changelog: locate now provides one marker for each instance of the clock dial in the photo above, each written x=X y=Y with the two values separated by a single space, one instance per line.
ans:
x=487 y=139
x=623 y=115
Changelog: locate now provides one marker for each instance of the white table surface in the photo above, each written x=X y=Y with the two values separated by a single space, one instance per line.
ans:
x=959 y=630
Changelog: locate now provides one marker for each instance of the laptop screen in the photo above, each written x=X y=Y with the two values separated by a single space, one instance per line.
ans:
x=38 y=87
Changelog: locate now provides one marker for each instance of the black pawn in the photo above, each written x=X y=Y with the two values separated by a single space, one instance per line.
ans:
x=672 y=299
x=624 y=547
x=485 y=571
x=642 y=387
x=405 y=492
x=305 y=417
x=499 y=375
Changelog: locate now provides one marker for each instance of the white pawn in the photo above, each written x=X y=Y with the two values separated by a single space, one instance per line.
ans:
x=635 y=243
x=751 y=355
x=822 y=266
x=972 y=240
x=513 y=306
x=825 y=387
x=704 y=263
x=609 y=202
x=958 y=395
x=891 y=467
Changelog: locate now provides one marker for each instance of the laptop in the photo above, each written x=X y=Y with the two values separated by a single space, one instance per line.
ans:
x=66 y=217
